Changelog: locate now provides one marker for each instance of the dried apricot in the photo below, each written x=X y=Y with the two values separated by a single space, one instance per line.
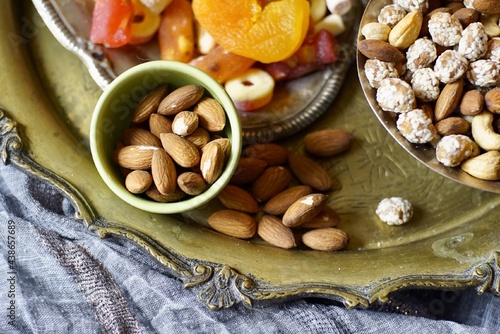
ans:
x=261 y=30
x=176 y=32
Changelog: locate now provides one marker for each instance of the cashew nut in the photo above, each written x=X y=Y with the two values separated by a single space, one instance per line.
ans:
x=483 y=133
x=485 y=166
x=490 y=23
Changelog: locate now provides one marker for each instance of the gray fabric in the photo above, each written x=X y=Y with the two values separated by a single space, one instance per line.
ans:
x=67 y=280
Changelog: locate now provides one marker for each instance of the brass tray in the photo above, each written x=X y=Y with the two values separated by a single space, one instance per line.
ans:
x=451 y=243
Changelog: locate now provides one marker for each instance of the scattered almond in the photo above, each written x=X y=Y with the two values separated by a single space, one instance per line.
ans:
x=279 y=203
x=327 y=142
x=273 y=231
x=309 y=172
x=304 y=209
x=326 y=218
x=272 y=181
x=237 y=198
x=273 y=154
x=233 y=223
x=248 y=170
x=326 y=239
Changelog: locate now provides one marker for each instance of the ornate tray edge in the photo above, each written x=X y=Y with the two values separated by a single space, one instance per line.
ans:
x=219 y=286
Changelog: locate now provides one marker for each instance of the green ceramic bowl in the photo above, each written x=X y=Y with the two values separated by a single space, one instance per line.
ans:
x=112 y=116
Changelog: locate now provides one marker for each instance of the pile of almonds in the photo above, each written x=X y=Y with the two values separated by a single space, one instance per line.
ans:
x=173 y=147
x=282 y=196
x=438 y=71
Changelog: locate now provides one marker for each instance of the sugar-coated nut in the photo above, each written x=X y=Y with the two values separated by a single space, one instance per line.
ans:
x=445 y=29
x=376 y=30
x=340 y=7
x=450 y=66
x=474 y=42
x=395 y=95
x=395 y=210
x=422 y=53
x=416 y=126
x=453 y=149
x=472 y=103
x=493 y=52
x=411 y=5
x=391 y=14
x=483 y=73
x=483 y=133
x=377 y=70
x=425 y=84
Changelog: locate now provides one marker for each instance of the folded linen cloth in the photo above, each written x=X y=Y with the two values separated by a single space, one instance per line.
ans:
x=61 y=278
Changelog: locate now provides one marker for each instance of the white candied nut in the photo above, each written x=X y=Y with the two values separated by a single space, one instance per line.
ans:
x=474 y=42
x=445 y=29
x=450 y=66
x=425 y=84
x=416 y=126
x=411 y=5
x=493 y=52
x=391 y=15
x=377 y=70
x=483 y=73
x=422 y=53
x=395 y=95
x=451 y=150
x=340 y=7
x=394 y=210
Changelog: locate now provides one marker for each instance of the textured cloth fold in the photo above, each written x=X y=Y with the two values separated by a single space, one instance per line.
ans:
x=65 y=279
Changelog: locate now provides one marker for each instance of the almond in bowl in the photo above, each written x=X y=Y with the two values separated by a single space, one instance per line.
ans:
x=172 y=121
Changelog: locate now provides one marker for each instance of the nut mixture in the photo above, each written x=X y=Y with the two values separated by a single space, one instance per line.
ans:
x=445 y=93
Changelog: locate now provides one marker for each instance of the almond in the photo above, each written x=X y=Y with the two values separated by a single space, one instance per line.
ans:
x=326 y=218
x=191 y=183
x=138 y=136
x=448 y=99
x=406 y=31
x=184 y=123
x=134 y=156
x=328 y=142
x=211 y=162
x=279 y=203
x=452 y=126
x=381 y=50
x=200 y=137
x=180 y=99
x=326 y=239
x=225 y=143
x=211 y=114
x=234 y=197
x=272 y=181
x=472 y=103
x=159 y=124
x=149 y=104
x=309 y=172
x=492 y=100
x=248 y=170
x=487 y=6
x=466 y=16
x=183 y=152
x=155 y=195
x=304 y=209
x=271 y=229
x=273 y=154
x=164 y=172
x=233 y=223
x=138 y=181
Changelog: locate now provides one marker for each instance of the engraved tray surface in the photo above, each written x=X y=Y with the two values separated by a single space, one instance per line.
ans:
x=451 y=243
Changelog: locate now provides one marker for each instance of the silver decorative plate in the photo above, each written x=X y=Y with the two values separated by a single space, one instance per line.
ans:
x=295 y=104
